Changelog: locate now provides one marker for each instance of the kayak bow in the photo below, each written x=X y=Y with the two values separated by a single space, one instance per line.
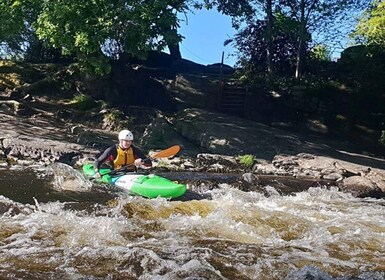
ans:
x=146 y=185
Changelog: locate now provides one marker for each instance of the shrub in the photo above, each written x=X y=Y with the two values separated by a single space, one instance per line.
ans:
x=83 y=102
x=116 y=120
x=247 y=160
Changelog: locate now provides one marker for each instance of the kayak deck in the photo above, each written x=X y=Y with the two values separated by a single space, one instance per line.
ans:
x=146 y=185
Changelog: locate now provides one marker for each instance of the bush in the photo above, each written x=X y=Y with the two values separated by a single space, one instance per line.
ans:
x=83 y=102
x=247 y=160
x=116 y=120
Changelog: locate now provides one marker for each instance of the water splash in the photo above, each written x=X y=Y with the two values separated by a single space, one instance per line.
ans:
x=231 y=235
x=67 y=178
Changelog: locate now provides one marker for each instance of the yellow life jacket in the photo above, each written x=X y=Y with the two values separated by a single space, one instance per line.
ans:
x=124 y=157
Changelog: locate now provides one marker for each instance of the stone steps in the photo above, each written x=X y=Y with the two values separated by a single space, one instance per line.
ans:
x=232 y=99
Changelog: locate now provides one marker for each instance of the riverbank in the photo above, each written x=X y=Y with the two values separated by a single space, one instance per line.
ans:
x=211 y=142
x=45 y=120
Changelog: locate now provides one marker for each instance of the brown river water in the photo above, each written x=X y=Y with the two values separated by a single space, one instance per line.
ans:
x=55 y=224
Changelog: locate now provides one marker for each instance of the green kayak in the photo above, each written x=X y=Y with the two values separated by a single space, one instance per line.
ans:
x=146 y=185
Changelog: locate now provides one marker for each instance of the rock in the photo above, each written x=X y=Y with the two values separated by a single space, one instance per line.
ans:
x=360 y=187
x=249 y=182
x=210 y=142
x=77 y=129
x=158 y=134
x=216 y=163
x=308 y=272
x=267 y=169
x=9 y=208
x=188 y=165
x=333 y=176
x=285 y=162
x=30 y=150
x=378 y=178
x=229 y=135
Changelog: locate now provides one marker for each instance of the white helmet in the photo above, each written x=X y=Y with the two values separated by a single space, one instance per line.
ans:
x=126 y=135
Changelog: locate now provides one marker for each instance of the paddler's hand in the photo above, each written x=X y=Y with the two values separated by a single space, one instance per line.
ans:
x=97 y=175
x=138 y=162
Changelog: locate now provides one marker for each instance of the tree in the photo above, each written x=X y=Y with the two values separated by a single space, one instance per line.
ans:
x=252 y=44
x=93 y=30
x=320 y=53
x=96 y=30
x=245 y=10
x=269 y=37
x=16 y=30
x=315 y=17
x=371 y=27
x=318 y=17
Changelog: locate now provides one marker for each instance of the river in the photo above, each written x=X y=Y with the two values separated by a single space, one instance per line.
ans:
x=88 y=231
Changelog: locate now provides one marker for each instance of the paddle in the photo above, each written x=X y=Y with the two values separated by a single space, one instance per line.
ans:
x=169 y=152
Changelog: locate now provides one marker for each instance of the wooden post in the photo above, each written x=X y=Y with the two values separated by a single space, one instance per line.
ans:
x=221 y=73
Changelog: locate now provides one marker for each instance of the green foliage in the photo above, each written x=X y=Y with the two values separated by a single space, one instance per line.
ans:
x=252 y=44
x=247 y=160
x=320 y=53
x=16 y=30
x=294 y=24
x=117 y=120
x=364 y=67
x=83 y=102
x=237 y=9
x=93 y=31
x=370 y=29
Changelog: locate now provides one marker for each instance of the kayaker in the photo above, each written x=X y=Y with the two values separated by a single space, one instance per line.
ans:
x=122 y=154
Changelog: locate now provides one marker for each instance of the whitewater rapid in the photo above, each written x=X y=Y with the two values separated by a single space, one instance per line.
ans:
x=227 y=234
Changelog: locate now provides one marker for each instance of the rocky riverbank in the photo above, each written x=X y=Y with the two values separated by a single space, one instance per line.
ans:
x=211 y=142
x=41 y=125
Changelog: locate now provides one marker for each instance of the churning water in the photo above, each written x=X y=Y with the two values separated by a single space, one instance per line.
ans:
x=89 y=232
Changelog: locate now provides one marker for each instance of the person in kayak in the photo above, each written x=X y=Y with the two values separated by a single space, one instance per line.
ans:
x=122 y=154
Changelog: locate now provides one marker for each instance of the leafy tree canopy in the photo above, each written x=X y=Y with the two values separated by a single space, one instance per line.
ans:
x=98 y=29
x=320 y=53
x=371 y=28
x=251 y=42
x=92 y=30
x=15 y=28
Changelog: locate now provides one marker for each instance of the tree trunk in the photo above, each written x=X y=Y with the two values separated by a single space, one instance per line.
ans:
x=174 y=51
x=173 y=44
x=269 y=39
x=300 y=59
x=301 y=43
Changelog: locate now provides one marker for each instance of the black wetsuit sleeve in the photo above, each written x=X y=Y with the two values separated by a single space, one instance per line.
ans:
x=110 y=151
x=139 y=154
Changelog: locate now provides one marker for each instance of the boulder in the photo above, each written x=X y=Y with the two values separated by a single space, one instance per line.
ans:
x=360 y=186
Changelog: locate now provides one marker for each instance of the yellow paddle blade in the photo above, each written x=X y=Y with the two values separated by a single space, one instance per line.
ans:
x=169 y=152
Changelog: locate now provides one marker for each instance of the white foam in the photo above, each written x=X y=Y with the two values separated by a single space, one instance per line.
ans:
x=318 y=226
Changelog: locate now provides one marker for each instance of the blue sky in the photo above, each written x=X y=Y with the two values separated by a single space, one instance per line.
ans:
x=204 y=32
